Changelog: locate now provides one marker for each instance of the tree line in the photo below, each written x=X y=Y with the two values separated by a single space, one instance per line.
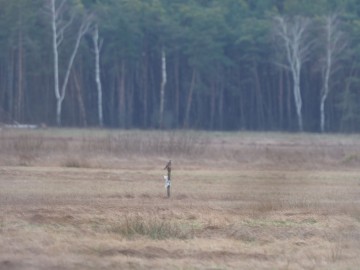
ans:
x=288 y=65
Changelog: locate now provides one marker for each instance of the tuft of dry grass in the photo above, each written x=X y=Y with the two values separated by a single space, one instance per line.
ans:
x=152 y=227
x=76 y=162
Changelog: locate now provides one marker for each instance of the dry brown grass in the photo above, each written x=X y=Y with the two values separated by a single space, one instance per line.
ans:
x=88 y=200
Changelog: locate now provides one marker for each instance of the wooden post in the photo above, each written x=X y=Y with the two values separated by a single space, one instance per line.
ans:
x=168 y=181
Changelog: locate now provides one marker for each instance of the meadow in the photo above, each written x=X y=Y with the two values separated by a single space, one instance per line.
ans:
x=95 y=199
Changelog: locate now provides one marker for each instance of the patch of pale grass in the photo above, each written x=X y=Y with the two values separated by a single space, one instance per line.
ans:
x=152 y=227
x=179 y=143
x=24 y=147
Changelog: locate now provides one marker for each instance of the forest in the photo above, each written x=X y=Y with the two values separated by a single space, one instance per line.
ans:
x=258 y=65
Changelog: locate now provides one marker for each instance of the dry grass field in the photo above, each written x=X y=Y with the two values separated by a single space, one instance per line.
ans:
x=91 y=199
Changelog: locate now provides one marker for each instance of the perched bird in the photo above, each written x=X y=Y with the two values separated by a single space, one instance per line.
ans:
x=168 y=165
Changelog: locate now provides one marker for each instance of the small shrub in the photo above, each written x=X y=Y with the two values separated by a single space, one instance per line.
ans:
x=351 y=159
x=268 y=205
x=129 y=195
x=153 y=228
x=26 y=148
x=76 y=162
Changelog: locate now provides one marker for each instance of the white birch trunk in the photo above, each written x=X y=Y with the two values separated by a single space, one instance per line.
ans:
x=293 y=34
x=58 y=111
x=298 y=101
x=322 y=112
x=325 y=91
x=334 y=45
x=162 y=90
x=57 y=39
x=189 y=99
x=97 y=48
x=55 y=49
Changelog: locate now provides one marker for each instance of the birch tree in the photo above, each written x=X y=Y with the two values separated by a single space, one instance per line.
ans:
x=97 y=48
x=334 y=45
x=162 y=89
x=293 y=34
x=59 y=26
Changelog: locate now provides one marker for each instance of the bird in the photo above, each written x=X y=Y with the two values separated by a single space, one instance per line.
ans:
x=168 y=165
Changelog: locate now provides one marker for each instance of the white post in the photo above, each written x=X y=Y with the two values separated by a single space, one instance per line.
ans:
x=168 y=178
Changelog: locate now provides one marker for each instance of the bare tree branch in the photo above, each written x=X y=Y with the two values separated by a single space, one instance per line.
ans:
x=85 y=24
x=59 y=9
